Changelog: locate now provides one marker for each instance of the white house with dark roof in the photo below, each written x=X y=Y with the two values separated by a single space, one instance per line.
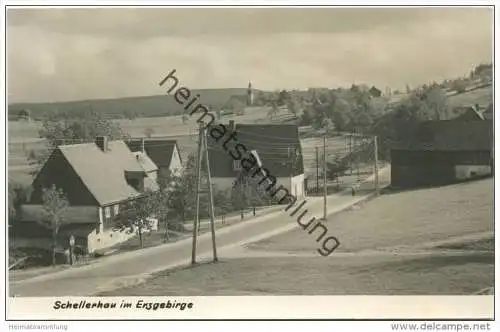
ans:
x=97 y=179
x=277 y=146
x=163 y=152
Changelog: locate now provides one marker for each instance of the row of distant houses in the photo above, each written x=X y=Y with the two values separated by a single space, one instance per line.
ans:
x=99 y=178
x=278 y=147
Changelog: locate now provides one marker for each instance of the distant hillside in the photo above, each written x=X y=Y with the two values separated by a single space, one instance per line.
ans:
x=150 y=106
x=482 y=96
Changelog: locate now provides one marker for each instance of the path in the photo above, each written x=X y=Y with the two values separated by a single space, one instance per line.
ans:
x=132 y=267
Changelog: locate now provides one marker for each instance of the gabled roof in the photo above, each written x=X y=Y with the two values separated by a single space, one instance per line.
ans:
x=469 y=113
x=160 y=150
x=449 y=135
x=146 y=163
x=278 y=146
x=103 y=173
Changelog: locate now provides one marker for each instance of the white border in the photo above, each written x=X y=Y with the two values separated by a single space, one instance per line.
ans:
x=264 y=307
x=247 y=305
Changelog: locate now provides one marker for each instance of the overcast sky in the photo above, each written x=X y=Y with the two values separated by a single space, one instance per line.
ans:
x=72 y=54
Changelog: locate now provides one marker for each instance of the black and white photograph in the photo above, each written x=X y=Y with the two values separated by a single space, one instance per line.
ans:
x=249 y=152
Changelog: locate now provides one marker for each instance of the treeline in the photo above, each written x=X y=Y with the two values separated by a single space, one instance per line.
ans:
x=121 y=108
x=424 y=104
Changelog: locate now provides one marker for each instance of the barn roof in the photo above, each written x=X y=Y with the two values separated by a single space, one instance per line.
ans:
x=160 y=150
x=278 y=146
x=469 y=113
x=449 y=135
x=488 y=112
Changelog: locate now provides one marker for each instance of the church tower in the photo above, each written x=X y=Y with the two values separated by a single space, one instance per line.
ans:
x=249 y=94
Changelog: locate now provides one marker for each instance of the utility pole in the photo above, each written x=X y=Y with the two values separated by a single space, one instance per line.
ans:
x=248 y=193
x=325 y=189
x=211 y=197
x=293 y=165
x=290 y=166
x=196 y=220
x=317 y=170
x=377 y=189
x=356 y=155
x=350 y=152
x=203 y=154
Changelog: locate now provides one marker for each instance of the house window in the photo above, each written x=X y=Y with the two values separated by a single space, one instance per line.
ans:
x=116 y=209
x=107 y=212
x=236 y=165
x=134 y=183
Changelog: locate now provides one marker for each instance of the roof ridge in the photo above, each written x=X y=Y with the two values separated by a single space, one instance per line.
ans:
x=92 y=165
x=80 y=178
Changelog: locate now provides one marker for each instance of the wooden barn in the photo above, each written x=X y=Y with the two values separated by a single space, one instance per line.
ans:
x=442 y=152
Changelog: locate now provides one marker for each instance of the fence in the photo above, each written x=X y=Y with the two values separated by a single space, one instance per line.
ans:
x=350 y=164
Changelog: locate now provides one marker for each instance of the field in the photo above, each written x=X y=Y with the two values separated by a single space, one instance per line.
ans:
x=23 y=137
x=482 y=96
x=407 y=219
x=389 y=246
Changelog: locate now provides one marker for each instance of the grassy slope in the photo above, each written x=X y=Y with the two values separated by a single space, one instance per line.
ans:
x=482 y=96
x=405 y=218
x=408 y=218
x=320 y=276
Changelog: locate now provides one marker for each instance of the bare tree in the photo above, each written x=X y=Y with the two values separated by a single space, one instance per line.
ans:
x=159 y=205
x=54 y=205
x=149 y=132
x=137 y=210
x=273 y=111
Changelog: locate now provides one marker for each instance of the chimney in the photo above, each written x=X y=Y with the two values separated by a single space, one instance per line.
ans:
x=231 y=125
x=142 y=145
x=102 y=142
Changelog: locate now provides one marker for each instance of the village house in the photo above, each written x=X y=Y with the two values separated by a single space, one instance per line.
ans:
x=163 y=152
x=150 y=169
x=97 y=179
x=277 y=146
x=24 y=115
x=442 y=152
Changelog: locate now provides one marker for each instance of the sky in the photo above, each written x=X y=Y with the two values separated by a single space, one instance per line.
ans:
x=62 y=54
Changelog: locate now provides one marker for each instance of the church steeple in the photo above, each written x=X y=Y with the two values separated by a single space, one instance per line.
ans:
x=249 y=94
